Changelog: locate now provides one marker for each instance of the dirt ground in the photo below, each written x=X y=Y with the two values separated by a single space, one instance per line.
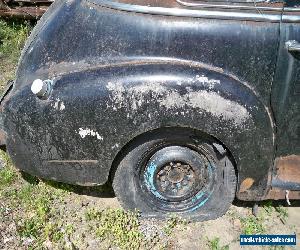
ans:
x=227 y=228
x=71 y=204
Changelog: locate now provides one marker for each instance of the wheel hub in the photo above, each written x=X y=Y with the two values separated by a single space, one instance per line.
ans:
x=175 y=175
x=175 y=179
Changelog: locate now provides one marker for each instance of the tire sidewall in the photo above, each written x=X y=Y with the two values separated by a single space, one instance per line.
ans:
x=132 y=196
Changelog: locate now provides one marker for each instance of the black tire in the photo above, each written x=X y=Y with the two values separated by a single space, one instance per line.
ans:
x=178 y=172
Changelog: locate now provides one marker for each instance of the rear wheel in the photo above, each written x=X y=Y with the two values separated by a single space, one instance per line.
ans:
x=174 y=172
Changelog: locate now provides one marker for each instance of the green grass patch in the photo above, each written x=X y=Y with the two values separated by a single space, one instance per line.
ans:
x=7 y=176
x=117 y=226
x=172 y=223
x=123 y=229
x=214 y=244
x=13 y=35
x=7 y=173
x=36 y=217
x=282 y=213
x=39 y=221
x=268 y=207
x=252 y=225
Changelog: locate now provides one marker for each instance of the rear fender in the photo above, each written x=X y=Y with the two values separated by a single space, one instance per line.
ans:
x=94 y=112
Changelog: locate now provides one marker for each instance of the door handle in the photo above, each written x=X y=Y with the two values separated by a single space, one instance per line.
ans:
x=293 y=46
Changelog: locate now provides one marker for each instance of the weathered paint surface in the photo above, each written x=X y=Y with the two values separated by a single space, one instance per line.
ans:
x=89 y=132
x=59 y=105
x=118 y=75
x=133 y=97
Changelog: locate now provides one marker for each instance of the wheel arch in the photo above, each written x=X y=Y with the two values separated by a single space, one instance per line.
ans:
x=221 y=147
x=245 y=140
x=140 y=95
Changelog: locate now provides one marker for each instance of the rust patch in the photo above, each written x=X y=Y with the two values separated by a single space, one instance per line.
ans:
x=279 y=194
x=288 y=168
x=246 y=184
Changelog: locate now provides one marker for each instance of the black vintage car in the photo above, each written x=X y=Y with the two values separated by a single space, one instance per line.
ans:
x=183 y=104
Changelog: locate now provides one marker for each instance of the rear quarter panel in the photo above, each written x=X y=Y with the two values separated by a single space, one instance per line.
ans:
x=102 y=62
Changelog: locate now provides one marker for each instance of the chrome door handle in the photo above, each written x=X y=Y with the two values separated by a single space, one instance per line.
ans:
x=293 y=46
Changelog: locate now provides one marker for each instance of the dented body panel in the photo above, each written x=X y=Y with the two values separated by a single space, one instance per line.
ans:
x=118 y=74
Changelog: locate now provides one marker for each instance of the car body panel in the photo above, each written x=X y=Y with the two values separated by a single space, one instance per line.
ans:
x=119 y=73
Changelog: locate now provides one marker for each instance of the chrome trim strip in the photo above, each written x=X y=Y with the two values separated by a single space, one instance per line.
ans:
x=290 y=18
x=290 y=9
x=213 y=14
x=227 y=6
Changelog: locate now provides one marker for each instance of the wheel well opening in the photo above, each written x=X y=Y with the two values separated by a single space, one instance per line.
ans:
x=170 y=131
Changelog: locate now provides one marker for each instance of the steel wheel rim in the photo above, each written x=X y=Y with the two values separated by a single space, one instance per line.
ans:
x=189 y=161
